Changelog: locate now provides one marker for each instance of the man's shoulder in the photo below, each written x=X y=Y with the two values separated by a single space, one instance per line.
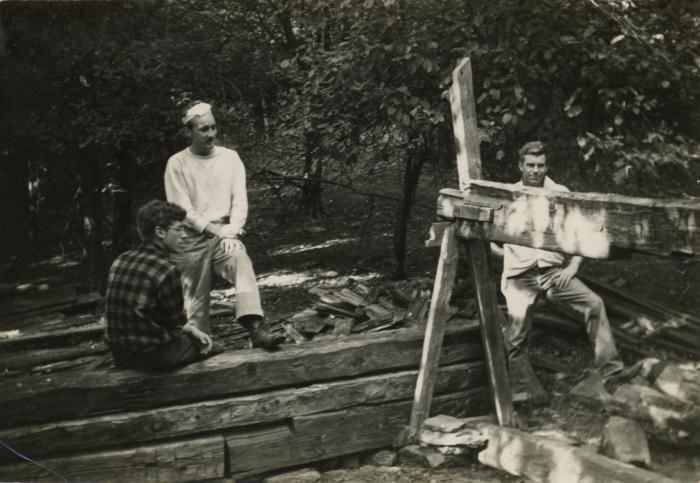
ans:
x=144 y=262
x=178 y=157
x=550 y=184
x=229 y=154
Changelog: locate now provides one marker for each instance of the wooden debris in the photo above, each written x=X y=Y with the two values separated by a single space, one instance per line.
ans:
x=545 y=460
x=624 y=440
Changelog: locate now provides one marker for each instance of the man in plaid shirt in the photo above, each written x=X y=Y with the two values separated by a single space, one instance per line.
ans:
x=146 y=323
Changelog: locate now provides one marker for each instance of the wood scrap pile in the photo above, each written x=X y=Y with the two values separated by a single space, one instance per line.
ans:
x=356 y=307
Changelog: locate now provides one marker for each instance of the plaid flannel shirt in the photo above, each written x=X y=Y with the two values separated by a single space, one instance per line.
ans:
x=144 y=305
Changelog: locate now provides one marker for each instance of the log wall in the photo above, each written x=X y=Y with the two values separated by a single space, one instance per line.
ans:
x=237 y=414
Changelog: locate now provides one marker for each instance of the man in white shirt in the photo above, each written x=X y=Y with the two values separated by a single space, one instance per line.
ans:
x=208 y=181
x=529 y=273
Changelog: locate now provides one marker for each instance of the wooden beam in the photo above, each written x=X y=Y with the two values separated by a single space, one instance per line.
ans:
x=464 y=123
x=268 y=407
x=326 y=435
x=489 y=316
x=196 y=459
x=469 y=168
x=545 y=460
x=53 y=338
x=588 y=224
x=35 y=399
x=435 y=329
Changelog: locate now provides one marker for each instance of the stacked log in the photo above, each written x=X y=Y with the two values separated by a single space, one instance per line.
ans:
x=248 y=411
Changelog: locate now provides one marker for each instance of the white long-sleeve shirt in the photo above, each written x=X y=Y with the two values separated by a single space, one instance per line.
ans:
x=208 y=187
x=518 y=259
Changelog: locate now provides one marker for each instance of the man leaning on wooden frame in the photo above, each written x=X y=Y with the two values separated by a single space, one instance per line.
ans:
x=529 y=273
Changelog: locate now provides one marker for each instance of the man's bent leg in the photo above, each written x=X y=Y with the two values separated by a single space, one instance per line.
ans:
x=195 y=264
x=237 y=269
x=590 y=307
x=521 y=293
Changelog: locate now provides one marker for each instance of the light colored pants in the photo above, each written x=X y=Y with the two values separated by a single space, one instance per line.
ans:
x=521 y=293
x=200 y=258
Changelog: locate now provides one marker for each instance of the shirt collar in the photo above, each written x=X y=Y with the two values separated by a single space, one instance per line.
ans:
x=154 y=247
x=548 y=183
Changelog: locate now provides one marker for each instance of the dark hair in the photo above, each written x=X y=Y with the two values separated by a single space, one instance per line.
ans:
x=157 y=213
x=533 y=147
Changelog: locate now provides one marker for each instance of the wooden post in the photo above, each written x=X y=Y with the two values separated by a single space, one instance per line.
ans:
x=464 y=124
x=469 y=168
x=435 y=329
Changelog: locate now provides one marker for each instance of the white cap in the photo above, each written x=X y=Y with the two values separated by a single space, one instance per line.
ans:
x=197 y=110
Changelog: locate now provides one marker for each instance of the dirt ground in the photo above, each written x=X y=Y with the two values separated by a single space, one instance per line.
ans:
x=293 y=253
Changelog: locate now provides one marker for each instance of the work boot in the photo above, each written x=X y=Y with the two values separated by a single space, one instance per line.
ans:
x=524 y=383
x=260 y=336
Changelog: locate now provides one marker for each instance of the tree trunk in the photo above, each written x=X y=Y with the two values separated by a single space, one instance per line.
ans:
x=92 y=217
x=311 y=200
x=15 y=212
x=411 y=175
x=123 y=200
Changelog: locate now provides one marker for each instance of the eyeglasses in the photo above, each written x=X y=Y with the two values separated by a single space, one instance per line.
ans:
x=179 y=228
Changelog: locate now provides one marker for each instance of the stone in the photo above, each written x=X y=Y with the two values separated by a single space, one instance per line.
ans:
x=419 y=455
x=469 y=437
x=304 y=475
x=384 y=458
x=444 y=423
x=624 y=440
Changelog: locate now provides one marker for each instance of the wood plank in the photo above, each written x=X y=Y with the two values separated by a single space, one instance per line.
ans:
x=464 y=126
x=36 y=399
x=435 y=329
x=489 y=316
x=185 y=460
x=54 y=338
x=25 y=360
x=589 y=224
x=435 y=234
x=466 y=133
x=326 y=435
x=268 y=407
x=551 y=461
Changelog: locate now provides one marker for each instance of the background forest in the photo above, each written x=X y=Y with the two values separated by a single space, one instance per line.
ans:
x=329 y=96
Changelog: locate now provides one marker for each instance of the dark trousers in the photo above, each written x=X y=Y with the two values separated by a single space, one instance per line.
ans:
x=178 y=352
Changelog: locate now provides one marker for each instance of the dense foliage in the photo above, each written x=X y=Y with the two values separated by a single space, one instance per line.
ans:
x=317 y=91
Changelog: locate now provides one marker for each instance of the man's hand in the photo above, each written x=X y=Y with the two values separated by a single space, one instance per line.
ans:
x=231 y=245
x=201 y=338
x=229 y=231
x=559 y=279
